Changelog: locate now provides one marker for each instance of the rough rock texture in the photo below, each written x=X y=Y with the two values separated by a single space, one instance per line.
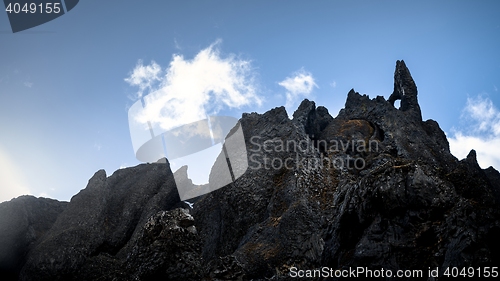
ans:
x=405 y=90
x=494 y=178
x=166 y=247
x=375 y=187
x=101 y=219
x=394 y=197
x=23 y=221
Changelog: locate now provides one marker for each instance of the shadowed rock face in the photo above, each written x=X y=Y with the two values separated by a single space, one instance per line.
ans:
x=23 y=222
x=374 y=187
x=102 y=220
x=411 y=205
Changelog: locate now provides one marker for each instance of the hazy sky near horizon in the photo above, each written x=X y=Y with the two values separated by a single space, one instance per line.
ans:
x=66 y=86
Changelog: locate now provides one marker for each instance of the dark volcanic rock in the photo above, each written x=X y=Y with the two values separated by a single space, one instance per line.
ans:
x=101 y=219
x=494 y=178
x=313 y=119
x=394 y=197
x=167 y=247
x=264 y=219
x=375 y=187
x=405 y=90
x=23 y=221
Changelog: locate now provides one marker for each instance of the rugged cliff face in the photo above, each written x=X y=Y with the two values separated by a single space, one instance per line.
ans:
x=374 y=187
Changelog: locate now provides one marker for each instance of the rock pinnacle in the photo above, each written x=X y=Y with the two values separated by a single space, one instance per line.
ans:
x=405 y=90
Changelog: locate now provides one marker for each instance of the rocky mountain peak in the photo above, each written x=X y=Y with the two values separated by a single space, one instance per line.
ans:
x=375 y=187
x=472 y=157
x=405 y=90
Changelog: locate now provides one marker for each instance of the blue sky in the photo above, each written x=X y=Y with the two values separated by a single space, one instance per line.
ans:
x=65 y=98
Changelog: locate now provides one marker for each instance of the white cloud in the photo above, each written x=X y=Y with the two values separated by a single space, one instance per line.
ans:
x=483 y=113
x=189 y=90
x=487 y=149
x=482 y=134
x=144 y=77
x=300 y=84
x=333 y=84
x=12 y=183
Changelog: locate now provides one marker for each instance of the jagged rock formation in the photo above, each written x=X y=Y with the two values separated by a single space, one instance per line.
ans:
x=375 y=187
x=23 y=222
x=405 y=90
x=101 y=221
